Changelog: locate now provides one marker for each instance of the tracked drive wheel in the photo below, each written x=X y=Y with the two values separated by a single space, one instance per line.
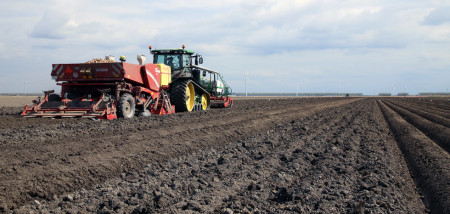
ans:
x=183 y=95
x=127 y=106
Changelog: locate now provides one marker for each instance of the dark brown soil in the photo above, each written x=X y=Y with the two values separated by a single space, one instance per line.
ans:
x=437 y=132
x=265 y=155
x=428 y=162
x=437 y=105
x=426 y=112
x=43 y=157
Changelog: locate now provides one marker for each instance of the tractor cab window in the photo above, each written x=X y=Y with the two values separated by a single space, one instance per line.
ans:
x=172 y=60
x=186 y=59
x=159 y=59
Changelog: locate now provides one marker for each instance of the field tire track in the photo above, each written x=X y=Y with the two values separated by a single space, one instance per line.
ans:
x=429 y=163
x=438 y=133
x=426 y=112
x=439 y=105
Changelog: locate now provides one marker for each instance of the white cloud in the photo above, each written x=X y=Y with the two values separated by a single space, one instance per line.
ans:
x=53 y=25
x=321 y=43
x=438 y=16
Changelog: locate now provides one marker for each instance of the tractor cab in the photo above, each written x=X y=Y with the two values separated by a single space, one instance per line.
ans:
x=177 y=59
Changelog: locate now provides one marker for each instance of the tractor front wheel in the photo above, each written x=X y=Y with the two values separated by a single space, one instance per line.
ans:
x=127 y=106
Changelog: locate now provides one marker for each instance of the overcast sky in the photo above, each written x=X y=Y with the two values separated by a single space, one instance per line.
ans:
x=311 y=46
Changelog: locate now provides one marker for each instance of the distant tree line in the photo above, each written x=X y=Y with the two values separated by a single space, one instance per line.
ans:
x=434 y=93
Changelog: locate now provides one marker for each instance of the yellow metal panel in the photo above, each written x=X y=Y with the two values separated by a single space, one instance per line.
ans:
x=166 y=76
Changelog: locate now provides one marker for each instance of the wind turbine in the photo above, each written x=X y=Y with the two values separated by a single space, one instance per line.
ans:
x=246 y=77
x=24 y=87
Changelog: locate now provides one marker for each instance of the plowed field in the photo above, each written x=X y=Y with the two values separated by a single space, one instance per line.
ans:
x=327 y=155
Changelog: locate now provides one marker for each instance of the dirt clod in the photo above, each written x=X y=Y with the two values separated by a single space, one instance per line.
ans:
x=327 y=155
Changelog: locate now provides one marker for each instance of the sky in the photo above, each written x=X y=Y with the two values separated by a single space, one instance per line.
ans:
x=305 y=46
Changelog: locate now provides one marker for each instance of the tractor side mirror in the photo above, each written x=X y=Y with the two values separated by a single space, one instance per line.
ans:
x=204 y=73
x=200 y=60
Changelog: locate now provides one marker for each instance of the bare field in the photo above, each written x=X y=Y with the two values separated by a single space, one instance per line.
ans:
x=16 y=101
x=265 y=155
x=280 y=97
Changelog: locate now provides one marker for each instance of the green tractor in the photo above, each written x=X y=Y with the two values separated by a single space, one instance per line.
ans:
x=192 y=87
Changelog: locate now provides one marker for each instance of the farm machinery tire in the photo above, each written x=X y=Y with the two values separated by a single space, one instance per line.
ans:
x=54 y=97
x=183 y=95
x=126 y=106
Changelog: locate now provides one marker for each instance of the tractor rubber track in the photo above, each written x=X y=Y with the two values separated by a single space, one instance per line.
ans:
x=178 y=95
x=427 y=161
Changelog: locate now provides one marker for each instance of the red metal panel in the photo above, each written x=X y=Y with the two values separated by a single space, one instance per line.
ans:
x=101 y=70
x=97 y=71
x=152 y=76
x=133 y=72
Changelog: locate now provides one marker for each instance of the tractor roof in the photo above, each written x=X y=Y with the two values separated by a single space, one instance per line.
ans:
x=172 y=51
